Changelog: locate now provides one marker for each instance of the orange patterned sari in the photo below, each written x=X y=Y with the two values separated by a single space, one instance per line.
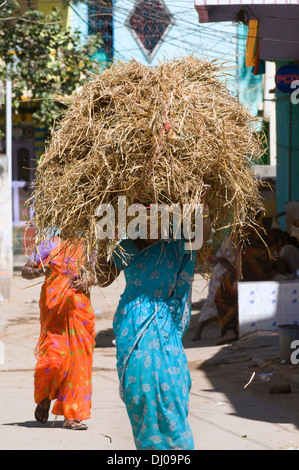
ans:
x=65 y=347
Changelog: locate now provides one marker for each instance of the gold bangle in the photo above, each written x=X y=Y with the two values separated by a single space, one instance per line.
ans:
x=206 y=216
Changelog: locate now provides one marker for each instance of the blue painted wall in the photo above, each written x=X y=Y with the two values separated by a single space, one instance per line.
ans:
x=185 y=36
x=225 y=42
x=79 y=18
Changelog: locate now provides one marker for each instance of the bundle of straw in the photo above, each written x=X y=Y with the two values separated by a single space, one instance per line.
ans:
x=153 y=135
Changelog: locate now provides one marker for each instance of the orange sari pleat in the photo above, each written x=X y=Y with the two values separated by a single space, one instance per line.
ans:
x=65 y=348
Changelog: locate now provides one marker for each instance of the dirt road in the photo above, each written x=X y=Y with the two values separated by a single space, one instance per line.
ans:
x=223 y=414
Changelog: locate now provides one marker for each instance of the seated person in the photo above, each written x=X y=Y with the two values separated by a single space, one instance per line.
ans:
x=285 y=249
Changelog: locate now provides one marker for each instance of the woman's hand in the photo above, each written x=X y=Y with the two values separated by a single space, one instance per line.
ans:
x=44 y=270
x=81 y=284
x=106 y=273
x=32 y=270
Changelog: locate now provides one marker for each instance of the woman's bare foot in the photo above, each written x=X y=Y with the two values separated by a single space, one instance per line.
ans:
x=228 y=337
x=73 y=424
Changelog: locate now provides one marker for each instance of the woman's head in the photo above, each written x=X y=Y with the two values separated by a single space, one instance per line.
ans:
x=278 y=238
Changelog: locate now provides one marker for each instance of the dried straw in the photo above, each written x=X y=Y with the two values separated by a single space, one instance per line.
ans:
x=152 y=134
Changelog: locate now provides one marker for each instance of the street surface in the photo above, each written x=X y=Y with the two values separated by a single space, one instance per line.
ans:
x=225 y=414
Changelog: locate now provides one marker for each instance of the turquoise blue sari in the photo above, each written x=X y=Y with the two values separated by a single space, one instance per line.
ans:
x=152 y=316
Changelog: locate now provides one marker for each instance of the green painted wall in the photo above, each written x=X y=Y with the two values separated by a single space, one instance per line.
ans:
x=287 y=134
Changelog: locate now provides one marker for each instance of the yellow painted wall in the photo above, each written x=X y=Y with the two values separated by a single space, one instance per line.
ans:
x=65 y=10
x=46 y=7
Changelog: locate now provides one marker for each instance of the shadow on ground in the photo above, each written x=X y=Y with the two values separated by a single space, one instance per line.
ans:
x=230 y=368
x=105 y=338
x=257 y=358
x=35 y=424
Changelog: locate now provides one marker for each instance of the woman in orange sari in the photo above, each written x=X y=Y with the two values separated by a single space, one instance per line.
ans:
x=64 y=350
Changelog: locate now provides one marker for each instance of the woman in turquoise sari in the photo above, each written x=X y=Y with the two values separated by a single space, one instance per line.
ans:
x=152 y=316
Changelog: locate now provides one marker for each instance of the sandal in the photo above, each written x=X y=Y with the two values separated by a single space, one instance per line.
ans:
x=74 y=424
x=41 y=413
